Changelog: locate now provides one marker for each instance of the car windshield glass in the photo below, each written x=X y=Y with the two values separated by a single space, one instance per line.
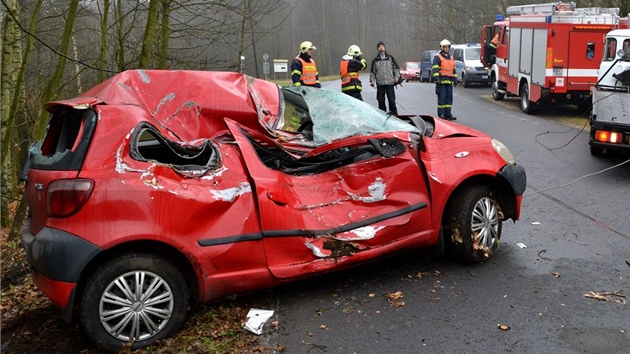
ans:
x=473 y=53
x=413 y=66
x=335 y=115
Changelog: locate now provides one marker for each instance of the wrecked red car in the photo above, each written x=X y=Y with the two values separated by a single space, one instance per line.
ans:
x=156 y=190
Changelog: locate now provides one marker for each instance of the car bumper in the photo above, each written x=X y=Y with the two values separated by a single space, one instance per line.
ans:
x=57 y=259
x=477 y=76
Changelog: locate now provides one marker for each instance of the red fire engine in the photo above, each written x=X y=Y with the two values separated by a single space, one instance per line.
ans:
x=540 y=53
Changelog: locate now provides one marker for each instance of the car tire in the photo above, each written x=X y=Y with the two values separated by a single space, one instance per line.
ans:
x=596 y=150
x=465 y=81
x=110 y=288
x=526 y=104
x=473 y=225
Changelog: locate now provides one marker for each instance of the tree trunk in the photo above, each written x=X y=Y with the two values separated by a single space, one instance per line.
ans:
x=149 y=34
x=52 y=88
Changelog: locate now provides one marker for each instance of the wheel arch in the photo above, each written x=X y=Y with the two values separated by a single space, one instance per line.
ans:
x=502 y=192
x=168 y=252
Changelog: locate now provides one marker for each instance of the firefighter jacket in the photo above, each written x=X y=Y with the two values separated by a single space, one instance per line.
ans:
x=349 y=71
x=384 y=70
x=444 y=69
x=494 y=43
x=304 y=71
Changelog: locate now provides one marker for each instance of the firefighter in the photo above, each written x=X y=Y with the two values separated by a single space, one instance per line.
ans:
x=349 y=68
x=445 y=77
x=303 y=68
x=492 y=49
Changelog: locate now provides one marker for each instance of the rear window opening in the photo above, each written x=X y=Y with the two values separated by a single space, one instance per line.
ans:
x=150 y=145
x=63 y=130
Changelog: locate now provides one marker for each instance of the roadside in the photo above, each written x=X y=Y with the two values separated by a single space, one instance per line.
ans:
x=565 y=115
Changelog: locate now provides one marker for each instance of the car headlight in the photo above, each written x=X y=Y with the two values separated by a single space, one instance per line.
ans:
x=503 y=151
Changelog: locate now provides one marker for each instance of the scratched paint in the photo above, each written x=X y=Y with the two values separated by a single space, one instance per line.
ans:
x=360 y=234
x=230 y=194
x=376 y=190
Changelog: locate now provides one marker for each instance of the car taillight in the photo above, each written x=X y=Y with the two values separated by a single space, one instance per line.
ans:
x=65 y=197
x=608 y=137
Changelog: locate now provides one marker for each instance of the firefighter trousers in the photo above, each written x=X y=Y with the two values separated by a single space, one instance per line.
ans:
x=444 y=94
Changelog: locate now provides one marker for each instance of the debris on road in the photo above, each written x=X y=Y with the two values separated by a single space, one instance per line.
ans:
x=256 y=319
x=608 y=296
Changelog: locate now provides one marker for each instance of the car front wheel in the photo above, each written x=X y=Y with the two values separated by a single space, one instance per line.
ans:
x=473 y=225
x=136 y=298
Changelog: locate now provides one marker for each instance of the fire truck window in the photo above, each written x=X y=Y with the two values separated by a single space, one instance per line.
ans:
x=590 y=50
x=626 y=46
x=506 y=35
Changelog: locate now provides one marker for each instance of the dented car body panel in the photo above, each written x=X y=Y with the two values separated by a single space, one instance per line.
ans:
x=245 y=183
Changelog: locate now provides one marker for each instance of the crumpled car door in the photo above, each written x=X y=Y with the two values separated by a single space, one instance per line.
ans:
x=320 y=221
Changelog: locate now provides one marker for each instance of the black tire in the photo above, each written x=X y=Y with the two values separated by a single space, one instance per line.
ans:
x=596 y=150
x=465 y=80
x=496 y=95
x=164 y=302
x=473 y=225
x=526 y=104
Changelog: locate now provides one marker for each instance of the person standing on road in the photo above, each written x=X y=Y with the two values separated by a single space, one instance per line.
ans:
x=349 y=68
x=303 y=68
x=445 y=77
x=385 y=72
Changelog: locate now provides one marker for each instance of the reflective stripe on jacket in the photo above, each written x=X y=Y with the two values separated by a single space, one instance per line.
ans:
x=350 y=79
x=444 y=69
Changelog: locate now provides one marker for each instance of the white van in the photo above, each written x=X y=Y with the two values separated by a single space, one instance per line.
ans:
x=468 y=64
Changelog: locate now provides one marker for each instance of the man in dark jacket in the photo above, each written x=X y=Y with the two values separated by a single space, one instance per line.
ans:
x=385 y=72
x=303 y=68
x=349 y=68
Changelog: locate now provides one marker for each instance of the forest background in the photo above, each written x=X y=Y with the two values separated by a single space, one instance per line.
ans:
x=56 y=49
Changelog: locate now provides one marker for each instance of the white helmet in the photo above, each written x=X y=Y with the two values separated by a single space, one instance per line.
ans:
x=354 y=50
x=444 y=42
x=305 y=46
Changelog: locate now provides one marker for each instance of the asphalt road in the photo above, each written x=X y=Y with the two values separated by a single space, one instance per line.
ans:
x=537 y=295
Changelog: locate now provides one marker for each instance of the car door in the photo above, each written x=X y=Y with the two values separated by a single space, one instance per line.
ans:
x=318 y=221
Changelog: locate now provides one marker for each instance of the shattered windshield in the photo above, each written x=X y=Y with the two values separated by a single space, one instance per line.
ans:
x=329 y=115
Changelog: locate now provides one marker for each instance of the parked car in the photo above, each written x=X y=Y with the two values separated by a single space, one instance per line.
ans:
x=426 y=64
x=410 y=71
x=157 y=190
x=468 y=65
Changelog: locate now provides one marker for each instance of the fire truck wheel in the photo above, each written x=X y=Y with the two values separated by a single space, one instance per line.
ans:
x=496 y=95
x=526 y=104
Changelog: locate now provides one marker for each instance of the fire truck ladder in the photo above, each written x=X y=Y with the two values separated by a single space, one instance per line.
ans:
x=549 y=8
x=560 y=12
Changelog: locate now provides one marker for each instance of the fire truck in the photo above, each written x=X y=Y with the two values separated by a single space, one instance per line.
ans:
x=538 y=53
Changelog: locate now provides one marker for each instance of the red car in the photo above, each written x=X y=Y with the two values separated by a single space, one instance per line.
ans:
x=156 y=190
x=410 y=71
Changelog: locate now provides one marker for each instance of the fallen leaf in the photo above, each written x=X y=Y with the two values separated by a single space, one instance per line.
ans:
x=556 y=274
x=503 y=327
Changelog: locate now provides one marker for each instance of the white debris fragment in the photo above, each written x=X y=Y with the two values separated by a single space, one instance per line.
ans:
x=230 y=194
x=535 y=222
x=521 y=245
x=256 y=319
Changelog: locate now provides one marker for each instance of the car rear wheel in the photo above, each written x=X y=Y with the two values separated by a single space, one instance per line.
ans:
x=137 y=297
x=473 y=225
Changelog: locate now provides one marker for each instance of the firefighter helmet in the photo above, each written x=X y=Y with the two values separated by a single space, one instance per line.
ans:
x=305 y=46
x=354 y=50
x=444 y=42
